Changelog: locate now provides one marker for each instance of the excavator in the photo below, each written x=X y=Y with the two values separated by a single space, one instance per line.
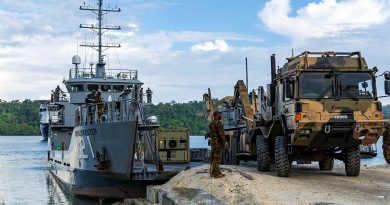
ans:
x=239 y=120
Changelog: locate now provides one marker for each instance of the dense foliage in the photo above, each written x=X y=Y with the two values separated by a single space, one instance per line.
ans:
x=181 y=115
x=22 y=117
x=19 y=117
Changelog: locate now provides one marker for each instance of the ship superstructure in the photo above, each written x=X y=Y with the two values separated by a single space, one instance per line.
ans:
x=104 y=148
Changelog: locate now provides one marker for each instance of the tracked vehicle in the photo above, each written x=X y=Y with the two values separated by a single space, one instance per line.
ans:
x=320 y=106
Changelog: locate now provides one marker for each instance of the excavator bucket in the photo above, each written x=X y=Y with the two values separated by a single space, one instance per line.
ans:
x=209 y=104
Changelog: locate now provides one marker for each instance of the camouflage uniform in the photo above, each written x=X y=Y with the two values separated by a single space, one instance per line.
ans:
x=99 y=102
x=217 y=135
x=386 y=143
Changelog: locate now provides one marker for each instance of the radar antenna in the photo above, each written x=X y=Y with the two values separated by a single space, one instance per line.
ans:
x=100 y=30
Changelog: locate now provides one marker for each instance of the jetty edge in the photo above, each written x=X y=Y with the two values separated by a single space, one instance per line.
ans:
x=245 y=185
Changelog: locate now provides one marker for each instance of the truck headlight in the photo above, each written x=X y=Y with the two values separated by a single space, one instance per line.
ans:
x=304 y=132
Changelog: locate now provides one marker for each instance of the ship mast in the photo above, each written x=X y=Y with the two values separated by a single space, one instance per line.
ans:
x=100 y=30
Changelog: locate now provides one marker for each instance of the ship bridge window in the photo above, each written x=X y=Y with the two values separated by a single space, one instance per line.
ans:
x=93 y=87
x=76 y=88
x=106 y=87
x=117 y=88
x=129 y=86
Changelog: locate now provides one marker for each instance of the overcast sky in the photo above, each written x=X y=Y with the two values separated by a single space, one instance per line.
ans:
x=182 y=47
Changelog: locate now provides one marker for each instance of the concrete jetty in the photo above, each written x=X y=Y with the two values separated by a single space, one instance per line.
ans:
x=245 y=185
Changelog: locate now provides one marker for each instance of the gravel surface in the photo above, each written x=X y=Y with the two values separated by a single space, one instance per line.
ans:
x=307 y=185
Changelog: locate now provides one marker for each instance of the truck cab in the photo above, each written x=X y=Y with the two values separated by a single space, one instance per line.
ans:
x=324 y=105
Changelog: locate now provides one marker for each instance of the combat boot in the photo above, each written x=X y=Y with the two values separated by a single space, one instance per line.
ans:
x=219 y=176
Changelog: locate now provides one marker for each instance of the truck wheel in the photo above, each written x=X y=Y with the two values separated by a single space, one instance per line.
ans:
x=263 y=159
x=234 y=158
x=352 y=161
x=281 y=157
x=327 y=164
x=386 y=148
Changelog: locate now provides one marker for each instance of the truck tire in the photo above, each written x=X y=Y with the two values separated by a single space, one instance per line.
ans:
x=282 y=161
x=263 y=159
x=352 y=161
x=234 y=158
x=326 y=164
x=386 y=148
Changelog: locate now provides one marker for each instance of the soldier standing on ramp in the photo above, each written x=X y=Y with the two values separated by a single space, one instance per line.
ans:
x=217 y=135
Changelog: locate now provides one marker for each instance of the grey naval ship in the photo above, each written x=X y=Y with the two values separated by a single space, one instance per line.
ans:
x=44 y=121
x=104 y=149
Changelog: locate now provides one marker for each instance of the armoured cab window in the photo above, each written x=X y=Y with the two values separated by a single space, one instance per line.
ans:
x=77 y=88
x=355 y=85
x=288 y=88
x=91 y=87
x=118 y=88
x=105 y=87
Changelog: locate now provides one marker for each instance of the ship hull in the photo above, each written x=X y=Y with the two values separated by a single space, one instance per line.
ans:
x=44 y=127
x=93 y=184
x=77 y=167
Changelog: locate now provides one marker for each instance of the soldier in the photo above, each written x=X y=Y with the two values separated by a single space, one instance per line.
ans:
x=99 y=103
x=91 y=98
x=217 y=135
x=386 y=143
x=149 y=95
x=56 y=93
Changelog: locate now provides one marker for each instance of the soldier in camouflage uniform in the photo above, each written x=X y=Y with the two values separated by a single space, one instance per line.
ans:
x=217 y=135
x=386 y=143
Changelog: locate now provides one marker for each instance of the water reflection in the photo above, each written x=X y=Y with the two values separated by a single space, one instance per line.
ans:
x=24 y=178
x=56 y=194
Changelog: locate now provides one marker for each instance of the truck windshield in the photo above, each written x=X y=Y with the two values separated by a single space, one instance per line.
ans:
x=355 y=85
x=320 y=85
x=316 y=85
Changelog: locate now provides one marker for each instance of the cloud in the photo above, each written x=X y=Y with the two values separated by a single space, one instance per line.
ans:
x=327 y=18
x=174 y=64
x=40 y=60
x=217 y=45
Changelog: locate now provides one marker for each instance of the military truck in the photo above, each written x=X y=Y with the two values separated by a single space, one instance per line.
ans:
x=319 y=106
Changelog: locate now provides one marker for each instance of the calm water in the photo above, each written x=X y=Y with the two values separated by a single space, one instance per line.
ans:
x=24 y=178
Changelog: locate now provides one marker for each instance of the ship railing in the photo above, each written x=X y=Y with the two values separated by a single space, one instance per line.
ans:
x=59 y=97
x=107 y=112
x=122 y=74
x=57 y=119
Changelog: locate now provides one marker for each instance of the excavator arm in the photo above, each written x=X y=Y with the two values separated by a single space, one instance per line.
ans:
x=241 y=98
x=249 y=105
x=227 y=100
x=209 y=104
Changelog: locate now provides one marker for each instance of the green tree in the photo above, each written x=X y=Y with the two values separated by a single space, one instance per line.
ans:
x=19 y=118
x=180 y=115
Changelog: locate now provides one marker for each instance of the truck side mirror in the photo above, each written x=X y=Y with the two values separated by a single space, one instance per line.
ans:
x=364 y=84
x=387 y=83
x=387 y=87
